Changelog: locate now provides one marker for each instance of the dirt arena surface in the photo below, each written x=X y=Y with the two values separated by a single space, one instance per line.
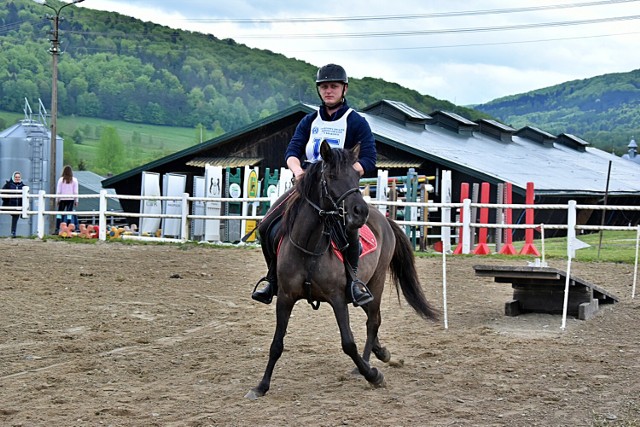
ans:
x=110 y=334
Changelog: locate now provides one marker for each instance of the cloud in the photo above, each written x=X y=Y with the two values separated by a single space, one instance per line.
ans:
x=458 y=65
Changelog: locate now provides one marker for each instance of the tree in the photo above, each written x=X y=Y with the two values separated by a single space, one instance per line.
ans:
x=70 y=152
x=110 y=155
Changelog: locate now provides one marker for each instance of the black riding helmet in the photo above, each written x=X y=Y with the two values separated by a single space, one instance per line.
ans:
x=332 y=73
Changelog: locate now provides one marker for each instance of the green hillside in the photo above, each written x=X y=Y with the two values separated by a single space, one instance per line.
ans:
x=117 y=68
x=604 y=110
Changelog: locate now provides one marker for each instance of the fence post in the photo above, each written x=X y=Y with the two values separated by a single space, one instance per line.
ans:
x=529 y=248
x=483 y=248
x=102 y=216
x=40 y=215
x=466 y=226
x=463 y=234
x=183 y=221
x=508 y=248
x=25 y=201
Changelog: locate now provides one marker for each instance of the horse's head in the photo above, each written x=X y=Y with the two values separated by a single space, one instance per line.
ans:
x=339 y=185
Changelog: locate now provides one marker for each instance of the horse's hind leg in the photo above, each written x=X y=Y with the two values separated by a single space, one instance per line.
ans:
x=374 y=320
x=372 y=375
x=283 y=313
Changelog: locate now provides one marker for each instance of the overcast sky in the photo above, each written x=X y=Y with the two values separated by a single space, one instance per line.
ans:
x=465 y=52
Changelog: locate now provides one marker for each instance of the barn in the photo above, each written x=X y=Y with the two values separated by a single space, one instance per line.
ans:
x=562 y=167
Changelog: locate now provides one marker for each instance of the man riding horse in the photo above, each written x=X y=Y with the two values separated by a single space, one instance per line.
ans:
x=341 y=127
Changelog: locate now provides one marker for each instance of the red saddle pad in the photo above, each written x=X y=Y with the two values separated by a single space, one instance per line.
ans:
x=367 y=240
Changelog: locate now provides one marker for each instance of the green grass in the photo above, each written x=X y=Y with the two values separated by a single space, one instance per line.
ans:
x=155 y=141
x=617 y=246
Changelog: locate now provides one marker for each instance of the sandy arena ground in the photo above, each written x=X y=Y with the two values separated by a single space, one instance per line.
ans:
x=143 y=335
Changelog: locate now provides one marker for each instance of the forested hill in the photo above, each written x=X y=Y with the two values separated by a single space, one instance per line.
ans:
x=115 y=67
x=603 y=110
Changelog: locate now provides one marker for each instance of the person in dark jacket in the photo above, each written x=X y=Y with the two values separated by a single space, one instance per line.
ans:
x=15 y=183
x=341 y=127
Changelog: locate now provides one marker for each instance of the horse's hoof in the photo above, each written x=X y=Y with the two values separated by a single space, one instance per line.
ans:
x=383 y=355
x=253 y=394
x=378 y=380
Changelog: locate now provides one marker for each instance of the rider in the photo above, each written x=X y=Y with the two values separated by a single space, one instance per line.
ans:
x=342 y=127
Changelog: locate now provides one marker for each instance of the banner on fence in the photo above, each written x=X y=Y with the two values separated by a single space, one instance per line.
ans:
x=251 y=190
x=285 y=182
x=150 y=187
x=173 y=185
x=382 y=187
x=198 y=208
x=213 y=188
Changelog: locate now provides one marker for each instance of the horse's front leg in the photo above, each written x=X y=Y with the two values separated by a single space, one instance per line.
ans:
x=372 y=375
x=284 y=306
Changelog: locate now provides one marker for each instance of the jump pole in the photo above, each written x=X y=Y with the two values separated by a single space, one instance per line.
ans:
x=635 y=266
x=507 y=248
x=444 y=284
x=529 y=248
x=482 y=248
x=464 y=194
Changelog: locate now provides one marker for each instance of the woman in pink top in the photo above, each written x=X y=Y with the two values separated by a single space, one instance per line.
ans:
x=67 y=192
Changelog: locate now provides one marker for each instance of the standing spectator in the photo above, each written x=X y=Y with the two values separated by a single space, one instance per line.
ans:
x=67 y=191
x=15 y=183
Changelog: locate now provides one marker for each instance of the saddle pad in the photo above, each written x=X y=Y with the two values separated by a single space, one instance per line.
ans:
x=367 y=241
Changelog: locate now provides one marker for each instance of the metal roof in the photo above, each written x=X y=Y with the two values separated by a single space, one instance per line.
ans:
x=232 y=162
x=531 y=155
x=554 y=169
x=398 y=164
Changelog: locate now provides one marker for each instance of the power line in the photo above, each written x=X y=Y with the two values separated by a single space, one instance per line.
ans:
x=403 y=17
x=441 y=31
x=465 y=44
x=392 y=33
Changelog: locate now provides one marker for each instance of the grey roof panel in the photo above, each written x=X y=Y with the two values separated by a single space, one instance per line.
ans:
x=553 y=170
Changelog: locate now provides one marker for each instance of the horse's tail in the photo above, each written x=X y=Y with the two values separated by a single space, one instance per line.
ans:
x=403 y=273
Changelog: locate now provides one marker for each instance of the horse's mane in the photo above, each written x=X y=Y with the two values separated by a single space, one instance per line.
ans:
x=308 y=184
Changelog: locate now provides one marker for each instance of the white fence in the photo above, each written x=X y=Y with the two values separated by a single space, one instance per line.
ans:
x=35 y=205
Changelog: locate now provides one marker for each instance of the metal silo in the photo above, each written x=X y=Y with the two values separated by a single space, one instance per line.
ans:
x=26 y=147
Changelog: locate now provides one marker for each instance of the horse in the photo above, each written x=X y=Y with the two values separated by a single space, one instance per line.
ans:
x=328 y=201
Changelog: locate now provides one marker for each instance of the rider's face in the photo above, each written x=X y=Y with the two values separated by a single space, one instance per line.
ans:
x=332 y=92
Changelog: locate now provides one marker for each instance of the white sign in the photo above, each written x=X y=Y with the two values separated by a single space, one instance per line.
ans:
x=213 y=188
x=173 y=185
x=150 y=187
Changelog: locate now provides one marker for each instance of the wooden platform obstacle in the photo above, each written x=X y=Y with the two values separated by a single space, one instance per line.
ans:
x=541 y=290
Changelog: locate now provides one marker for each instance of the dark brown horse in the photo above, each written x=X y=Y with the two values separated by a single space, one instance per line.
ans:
x=328 y=201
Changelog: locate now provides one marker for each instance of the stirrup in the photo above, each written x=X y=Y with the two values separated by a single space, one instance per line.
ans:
x=359 y=296
x=264 y=295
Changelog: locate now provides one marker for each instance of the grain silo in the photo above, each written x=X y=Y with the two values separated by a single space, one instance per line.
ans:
x=26 y=147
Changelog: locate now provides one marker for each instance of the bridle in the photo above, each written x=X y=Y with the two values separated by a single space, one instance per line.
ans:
x=333 y=229
x=332 y=220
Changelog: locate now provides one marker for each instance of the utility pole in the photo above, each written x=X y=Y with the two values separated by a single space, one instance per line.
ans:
x=55 y=51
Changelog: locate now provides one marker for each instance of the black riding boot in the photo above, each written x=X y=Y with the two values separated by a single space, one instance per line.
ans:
x=266 y=294
x=360 y=294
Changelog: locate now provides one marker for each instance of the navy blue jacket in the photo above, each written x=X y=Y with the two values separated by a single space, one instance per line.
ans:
x=11 y=185
x=358 y=131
